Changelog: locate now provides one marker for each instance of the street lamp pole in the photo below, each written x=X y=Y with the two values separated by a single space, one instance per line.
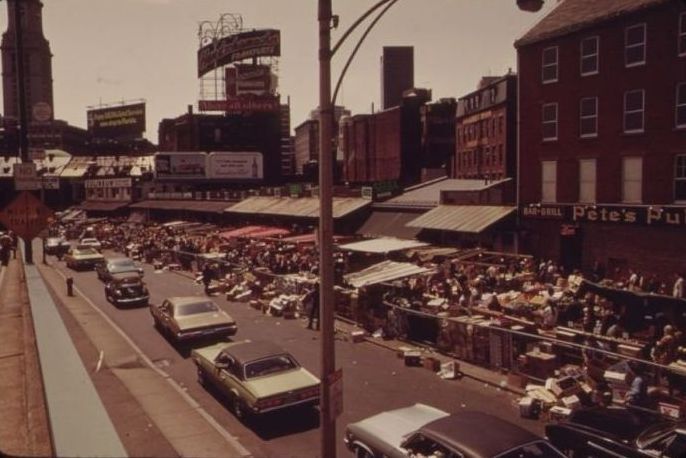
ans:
x=326 y=315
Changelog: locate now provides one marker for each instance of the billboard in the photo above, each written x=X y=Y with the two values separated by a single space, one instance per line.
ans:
x=243 y=79
x=237 y=47
x=181 y=165
x=124 y=121
x=236 y=165
x=267 y=103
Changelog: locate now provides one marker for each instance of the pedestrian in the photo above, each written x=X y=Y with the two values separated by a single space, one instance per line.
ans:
x=678 y=288
x=638 y=391
x=313 y=298
x=207 y=275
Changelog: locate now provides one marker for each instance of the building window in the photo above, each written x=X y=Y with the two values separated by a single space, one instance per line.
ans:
x=588 y=113
x=635 y=45
x=632 y=180
x=549 y=121
x=680 y=178
x=634 y=105
x=549 y=181
x=589 y=56
x=587 y=180
x=682 y=34
x=681 y=105
x=549 y=67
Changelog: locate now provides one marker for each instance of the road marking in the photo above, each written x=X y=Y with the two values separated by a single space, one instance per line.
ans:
x=233 y=440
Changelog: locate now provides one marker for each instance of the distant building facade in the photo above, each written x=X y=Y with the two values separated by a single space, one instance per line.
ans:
x=602 y=170
x=397 y=74
x=486 y=132
x=438 y=137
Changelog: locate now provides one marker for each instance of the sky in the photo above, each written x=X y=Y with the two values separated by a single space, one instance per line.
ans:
x=109 y=51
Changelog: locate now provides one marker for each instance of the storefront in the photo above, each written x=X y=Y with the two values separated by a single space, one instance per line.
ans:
x=646 y=238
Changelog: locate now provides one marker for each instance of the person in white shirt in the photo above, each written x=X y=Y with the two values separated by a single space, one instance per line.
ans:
x=678 y=289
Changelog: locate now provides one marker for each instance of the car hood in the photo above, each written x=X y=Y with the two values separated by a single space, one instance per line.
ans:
x=387 y=430
x=88 y=257
x=292 y=380
x=201 y=320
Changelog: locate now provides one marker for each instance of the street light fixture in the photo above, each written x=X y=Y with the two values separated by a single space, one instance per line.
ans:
x=326 y=22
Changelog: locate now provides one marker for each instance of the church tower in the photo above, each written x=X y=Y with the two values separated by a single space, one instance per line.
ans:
x=37 y=63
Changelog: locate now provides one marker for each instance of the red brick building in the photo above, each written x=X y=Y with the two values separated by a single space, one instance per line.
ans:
x=485 y=131
x=602 y=128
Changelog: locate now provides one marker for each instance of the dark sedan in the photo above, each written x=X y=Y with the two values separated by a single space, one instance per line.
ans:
x=422 y=430
x=618 y=432
x=126 y=289
x=112 y=266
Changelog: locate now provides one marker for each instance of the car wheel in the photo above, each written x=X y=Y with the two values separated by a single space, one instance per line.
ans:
x=156 y=323
x=202 y=378
x=238 y=408
x=361 y=452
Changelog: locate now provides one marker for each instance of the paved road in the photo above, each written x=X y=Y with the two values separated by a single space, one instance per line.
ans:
x=374 y=379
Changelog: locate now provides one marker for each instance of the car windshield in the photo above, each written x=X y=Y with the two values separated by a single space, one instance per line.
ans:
x=122 y=265
x=85 y=251
x=533 y=450
x=270 y=365
x=194 y=308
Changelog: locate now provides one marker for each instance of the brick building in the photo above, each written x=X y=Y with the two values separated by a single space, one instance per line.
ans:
x=602 y=154
x=485 y=131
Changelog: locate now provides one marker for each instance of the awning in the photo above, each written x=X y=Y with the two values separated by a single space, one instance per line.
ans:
x=202 y=206
x=429 y=253
x=383 y=272
x=382 y=245
x=462 y=218
x=389 y=224
x=269 y=232
x=304 y=207
x=241 y=231
x=302 y=238
x=94 y=205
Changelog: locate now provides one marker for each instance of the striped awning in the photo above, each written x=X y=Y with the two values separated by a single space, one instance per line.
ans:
x=462 y=218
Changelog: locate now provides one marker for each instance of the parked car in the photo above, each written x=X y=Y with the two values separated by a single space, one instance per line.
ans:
x=111 y=266
x=422 y=430
x=618 y=431
x=56 y=246
x=83 y=257
x=192 y=318
x=256 y=376
x=91 y=242
x=126 y=289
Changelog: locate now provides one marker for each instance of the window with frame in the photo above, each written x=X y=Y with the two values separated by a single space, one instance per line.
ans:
x=549 y=121
x=680 y=108
x=635 y=45
x=632 y=180
x=589 y=56
x=549 y=181
x=549 y=65
x=588 y=114
x=680 y=178
x=634 y=107
x=587 y=180
x=682 y=34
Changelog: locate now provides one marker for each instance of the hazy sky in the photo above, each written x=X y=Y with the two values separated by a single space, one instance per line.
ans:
x=113 y=50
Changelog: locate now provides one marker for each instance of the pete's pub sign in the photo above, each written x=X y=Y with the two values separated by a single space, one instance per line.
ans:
x=654 y=215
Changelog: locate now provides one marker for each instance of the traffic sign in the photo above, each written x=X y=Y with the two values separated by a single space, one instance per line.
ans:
x=26 y=177
x=26 y=216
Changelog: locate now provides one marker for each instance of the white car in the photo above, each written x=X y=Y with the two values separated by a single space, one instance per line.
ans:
x=91 y=242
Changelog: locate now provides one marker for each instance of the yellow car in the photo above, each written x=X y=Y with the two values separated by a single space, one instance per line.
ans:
x=192 y=318
x=83 y=257
x=256 y=377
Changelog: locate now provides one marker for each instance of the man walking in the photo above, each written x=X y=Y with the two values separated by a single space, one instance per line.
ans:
x=313 y=299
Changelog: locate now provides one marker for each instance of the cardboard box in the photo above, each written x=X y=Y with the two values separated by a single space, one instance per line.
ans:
x=413 y=358
x=559 y=412
x=358 y=336
x=671 y=410
x=571 y=402
x=402 y=350
x=529 y=407
x=449 y=370
x=431 y=363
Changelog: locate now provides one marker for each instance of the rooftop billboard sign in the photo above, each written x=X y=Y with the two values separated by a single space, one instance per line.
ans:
x=237 y=47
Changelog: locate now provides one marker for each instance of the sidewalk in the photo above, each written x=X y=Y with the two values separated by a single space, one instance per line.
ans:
x=24 y=426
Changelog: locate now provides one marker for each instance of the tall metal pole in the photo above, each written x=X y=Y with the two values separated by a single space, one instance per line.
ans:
x=21 y=100
x=326 y=315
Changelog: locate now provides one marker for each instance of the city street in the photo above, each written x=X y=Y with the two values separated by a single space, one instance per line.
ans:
x=374 y=379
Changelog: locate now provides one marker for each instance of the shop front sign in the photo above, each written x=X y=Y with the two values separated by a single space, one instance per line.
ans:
x=644 y=215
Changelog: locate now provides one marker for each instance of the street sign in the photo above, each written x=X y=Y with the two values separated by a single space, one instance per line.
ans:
x=25 y=177
x=335 y=394
x=26 y=216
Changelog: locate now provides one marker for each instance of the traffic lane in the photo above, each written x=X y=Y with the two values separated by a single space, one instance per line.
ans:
x=375 y=380
x=283 y=433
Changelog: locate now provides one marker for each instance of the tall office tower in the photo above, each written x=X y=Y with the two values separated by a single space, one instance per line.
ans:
x=37 y=63
x=397 y=74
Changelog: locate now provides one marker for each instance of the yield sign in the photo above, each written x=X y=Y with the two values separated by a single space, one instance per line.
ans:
x=26 y=216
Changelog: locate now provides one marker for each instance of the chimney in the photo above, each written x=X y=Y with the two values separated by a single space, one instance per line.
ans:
x=190 y=109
